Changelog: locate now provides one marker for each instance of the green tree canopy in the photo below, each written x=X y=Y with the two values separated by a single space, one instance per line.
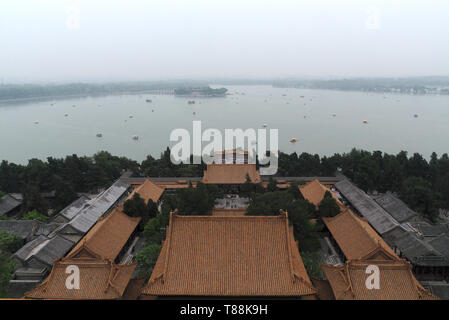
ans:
x=328 y=207
x=147 y=258
x=32 y=200
x=417 y=194
x=6 y=272
x=9 y=242
x=152 y=209
x=293 y=189
x=136 y=207
x=35 y=215
x=199 y=200
x=272 y=185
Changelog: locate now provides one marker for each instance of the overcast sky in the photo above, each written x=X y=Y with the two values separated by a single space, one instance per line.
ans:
x=92 y=40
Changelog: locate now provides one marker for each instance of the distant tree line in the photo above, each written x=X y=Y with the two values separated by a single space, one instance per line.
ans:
x=23 y=91
x=414 y=85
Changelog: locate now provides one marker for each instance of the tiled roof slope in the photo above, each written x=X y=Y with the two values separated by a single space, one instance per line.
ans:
x=74 y=208
x=24 y=229
x=8 y=203
x=107 y=237
x=422 y=252
x=89 y=215
x=397 y=282
x=230 y=173
x=44 y=249
x=356 y=238
x=148 y=190
x=398 y=209
x=314 y=192
x=98 y=280
x=381 y=220
x=229 y=256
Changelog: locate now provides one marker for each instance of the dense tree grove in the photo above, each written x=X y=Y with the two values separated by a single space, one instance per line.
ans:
x=6 y=272
x=199 y=200
x=8 y=245
x=35 y=215
x=328 y=207
x=154 y=234
x=10 y=242
x=137 y=207
x=164 y=167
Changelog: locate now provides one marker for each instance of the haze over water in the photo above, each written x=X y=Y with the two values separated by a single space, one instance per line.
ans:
x=391 y=126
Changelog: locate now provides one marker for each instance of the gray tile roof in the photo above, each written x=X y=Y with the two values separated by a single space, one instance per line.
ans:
x=421 y=252
x=27 y=229
x=8 y=203
x=74 y=208
x=22 y=228
x=17 y=288
x=88 y=216
x=441 y=244
x=44 y=249
x=430 y=230
x=395 y=207
x=438 y=288
x=380 y=219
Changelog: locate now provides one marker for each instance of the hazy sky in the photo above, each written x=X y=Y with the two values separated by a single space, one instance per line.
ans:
x=92 y=40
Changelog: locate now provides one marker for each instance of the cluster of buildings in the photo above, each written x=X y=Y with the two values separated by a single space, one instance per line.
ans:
x=230 y=254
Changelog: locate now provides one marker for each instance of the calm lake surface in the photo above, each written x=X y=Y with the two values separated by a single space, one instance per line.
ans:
x=391 y=126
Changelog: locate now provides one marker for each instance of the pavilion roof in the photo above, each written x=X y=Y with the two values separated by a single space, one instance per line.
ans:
x=99 y=279
x=107 y=237
x=231 y=173
x=229 y=256
x=148 y=190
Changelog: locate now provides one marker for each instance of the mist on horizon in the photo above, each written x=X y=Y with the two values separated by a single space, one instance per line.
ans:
x=60 y=41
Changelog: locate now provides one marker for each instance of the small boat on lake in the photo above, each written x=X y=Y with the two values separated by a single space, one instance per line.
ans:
x=135 y=137
x=99 y=134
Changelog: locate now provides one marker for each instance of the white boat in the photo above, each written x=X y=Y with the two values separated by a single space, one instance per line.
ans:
x=99 y=134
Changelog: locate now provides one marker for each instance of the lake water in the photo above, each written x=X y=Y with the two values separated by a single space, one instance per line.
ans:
x=391 y=126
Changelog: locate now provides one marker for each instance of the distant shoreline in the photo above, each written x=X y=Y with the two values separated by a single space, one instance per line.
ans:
x=80 y=95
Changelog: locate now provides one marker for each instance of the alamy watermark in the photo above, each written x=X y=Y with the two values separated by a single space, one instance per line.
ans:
x=73 y=280
x=255 y=142
x=373 y=280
